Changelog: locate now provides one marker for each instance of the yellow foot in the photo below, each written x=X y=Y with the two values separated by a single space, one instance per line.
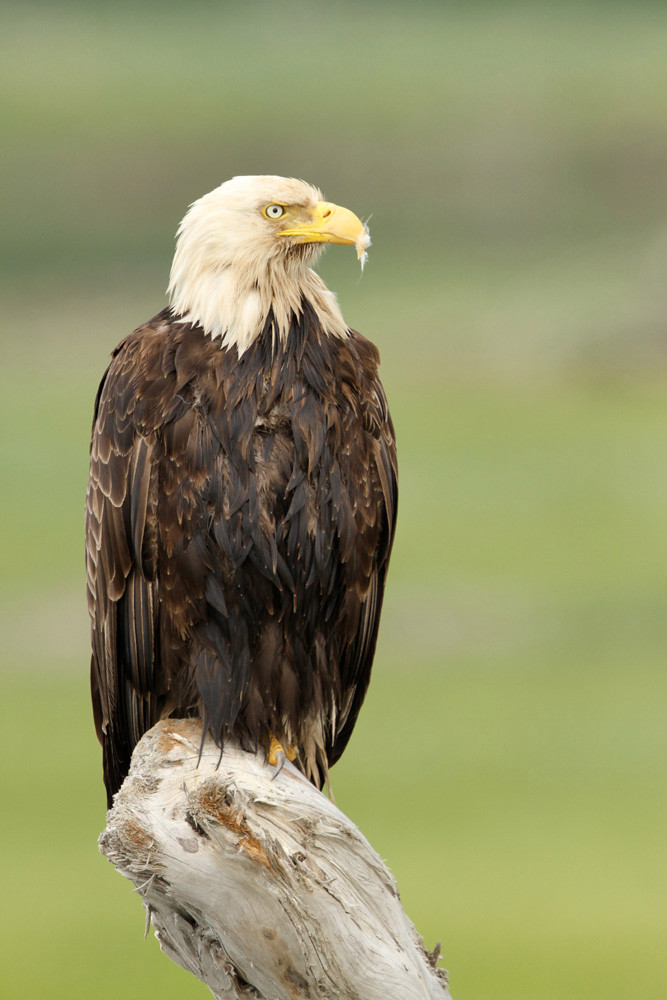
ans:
x=278 y=754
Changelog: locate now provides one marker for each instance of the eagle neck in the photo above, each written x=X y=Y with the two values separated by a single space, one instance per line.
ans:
x=234 y=304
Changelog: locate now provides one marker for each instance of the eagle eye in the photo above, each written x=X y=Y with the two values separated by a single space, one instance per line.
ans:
x=274 y=211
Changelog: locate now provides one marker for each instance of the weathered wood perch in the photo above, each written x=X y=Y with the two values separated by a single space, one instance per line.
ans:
x=262 y=888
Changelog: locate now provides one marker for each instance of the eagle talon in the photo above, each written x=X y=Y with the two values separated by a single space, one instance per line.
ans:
x=278 y=764
x=277 y=756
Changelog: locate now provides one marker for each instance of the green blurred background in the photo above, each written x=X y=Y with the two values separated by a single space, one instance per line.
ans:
x=509 y=762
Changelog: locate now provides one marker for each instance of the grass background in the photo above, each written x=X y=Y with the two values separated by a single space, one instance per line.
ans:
x=509 y=762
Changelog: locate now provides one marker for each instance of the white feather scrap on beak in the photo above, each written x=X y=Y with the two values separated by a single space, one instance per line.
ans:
x=362 y=244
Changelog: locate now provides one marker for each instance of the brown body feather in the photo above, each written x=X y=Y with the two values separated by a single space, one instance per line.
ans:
x=239 y=520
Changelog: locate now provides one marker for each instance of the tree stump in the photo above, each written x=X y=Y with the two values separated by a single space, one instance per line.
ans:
x=258 y=884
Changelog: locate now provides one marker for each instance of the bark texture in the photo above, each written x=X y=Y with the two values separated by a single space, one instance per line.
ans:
x=257 y=884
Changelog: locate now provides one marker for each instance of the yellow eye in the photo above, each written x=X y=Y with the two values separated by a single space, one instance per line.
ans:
x=274 y=211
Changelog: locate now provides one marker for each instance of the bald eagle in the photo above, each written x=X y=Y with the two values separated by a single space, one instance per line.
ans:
x=242 y=497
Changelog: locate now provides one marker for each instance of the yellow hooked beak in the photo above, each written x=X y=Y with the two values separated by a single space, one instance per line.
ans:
x=329 y=223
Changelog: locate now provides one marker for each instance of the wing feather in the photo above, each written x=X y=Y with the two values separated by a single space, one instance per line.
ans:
x=377 y=502
x=122 y=594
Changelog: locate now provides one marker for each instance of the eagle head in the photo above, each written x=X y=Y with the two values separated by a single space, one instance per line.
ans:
x=244 y=250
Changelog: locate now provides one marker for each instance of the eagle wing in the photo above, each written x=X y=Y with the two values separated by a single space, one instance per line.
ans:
x=375 y=510
x=121 y=573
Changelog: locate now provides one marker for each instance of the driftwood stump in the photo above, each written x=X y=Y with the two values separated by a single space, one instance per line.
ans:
x=262 y=888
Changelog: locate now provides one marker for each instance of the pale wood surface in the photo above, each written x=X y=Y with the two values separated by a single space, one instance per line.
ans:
x=261 y=887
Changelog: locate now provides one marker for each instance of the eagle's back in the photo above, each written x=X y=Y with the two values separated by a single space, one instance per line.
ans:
x=240 y=515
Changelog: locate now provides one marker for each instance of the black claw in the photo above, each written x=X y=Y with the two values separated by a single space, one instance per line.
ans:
x=280 y=763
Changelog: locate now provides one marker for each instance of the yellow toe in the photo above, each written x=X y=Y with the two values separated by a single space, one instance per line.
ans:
x=276 y=748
